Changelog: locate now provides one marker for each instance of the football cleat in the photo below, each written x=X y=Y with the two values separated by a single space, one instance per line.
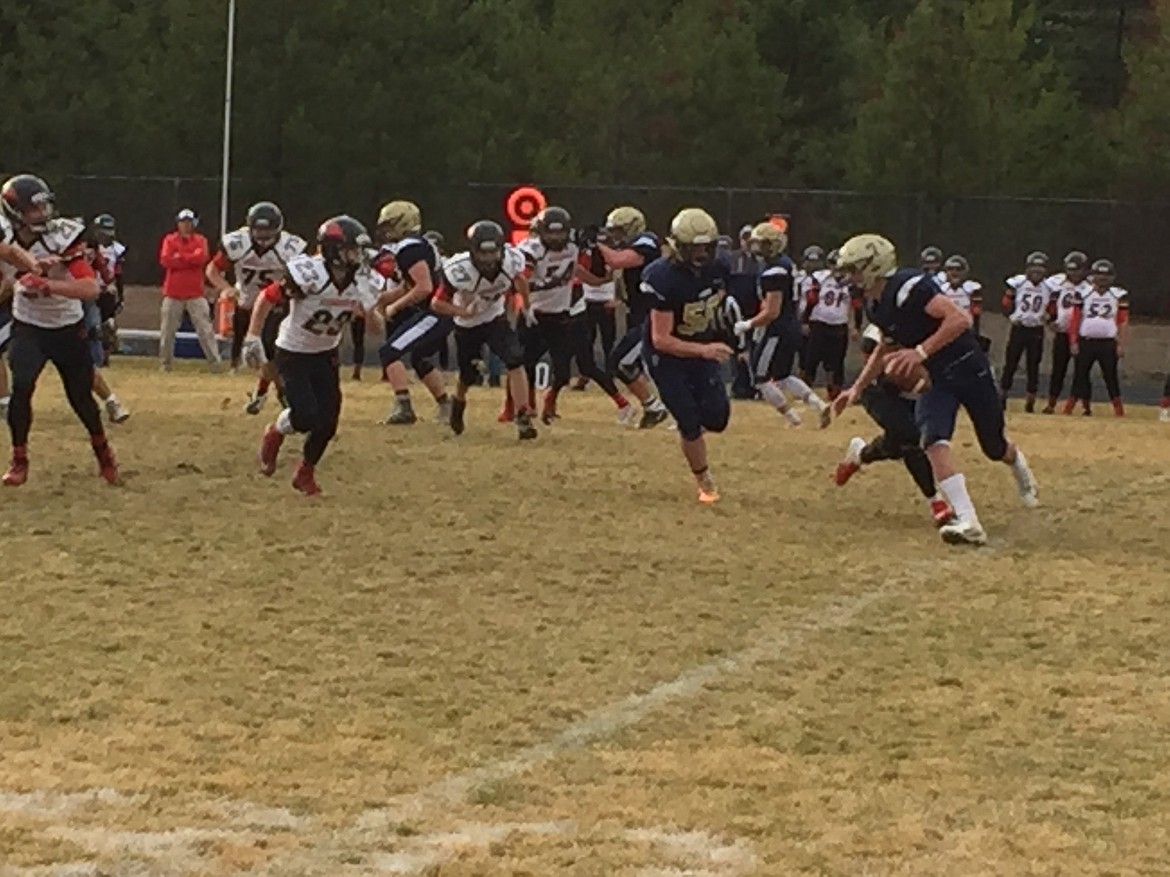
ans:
x=443 y=412
x=116 y=411
x=793 y=417
x=851 y=465
x=959 y=532
x=304 y=480
x=17 y=473
x=1164 y=415
x=1027 y=487
x=824 y=411
x=651 y=417
x=549 y=408
x=402 y=414
x=942 y=513
x=508 y=412
x=708 y=492
x=458 y=406
x=524 y=427
x=627 y=415
x=270 y=449
x=255 y=402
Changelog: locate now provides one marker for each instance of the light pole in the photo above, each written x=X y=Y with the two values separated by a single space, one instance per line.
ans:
x=227 y=119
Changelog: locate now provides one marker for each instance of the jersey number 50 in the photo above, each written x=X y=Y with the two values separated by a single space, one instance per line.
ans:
x=697 y=316
x=324 y=322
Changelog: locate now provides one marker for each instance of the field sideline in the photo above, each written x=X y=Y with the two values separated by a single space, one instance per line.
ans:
x=477 y=657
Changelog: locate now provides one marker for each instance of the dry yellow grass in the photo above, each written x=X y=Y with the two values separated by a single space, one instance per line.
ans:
x=268 y=685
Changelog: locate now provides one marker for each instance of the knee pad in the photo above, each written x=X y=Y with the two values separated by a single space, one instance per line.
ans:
x=995 y=448
x=715 y=419
x=689 y=431
x=388 y=354
x=424 y=366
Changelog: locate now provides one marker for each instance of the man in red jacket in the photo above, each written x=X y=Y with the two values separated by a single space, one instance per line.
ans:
x=184 y=256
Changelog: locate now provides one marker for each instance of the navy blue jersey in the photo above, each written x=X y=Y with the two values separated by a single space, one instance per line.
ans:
x=743 y=282
x=648 y=247
x=698 y=299
x=900 y=313
x=779 y=275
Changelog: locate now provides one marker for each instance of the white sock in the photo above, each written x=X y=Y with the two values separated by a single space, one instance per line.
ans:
x=955 y=490
x=1020 y=466
x=653 y=404
x=112 y=400
x=284 y=422
x=801 y=390
x=774 y=396
x=4 y=400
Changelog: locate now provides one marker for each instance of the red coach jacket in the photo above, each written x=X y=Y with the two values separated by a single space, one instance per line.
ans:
x=184 y=261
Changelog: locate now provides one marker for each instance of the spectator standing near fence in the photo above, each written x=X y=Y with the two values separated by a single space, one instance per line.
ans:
x=184 y=256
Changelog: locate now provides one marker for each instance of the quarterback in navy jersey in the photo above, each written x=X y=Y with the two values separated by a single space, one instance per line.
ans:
x=412 y=328
x=922 y=328
x=776 y=327
x=687 y=337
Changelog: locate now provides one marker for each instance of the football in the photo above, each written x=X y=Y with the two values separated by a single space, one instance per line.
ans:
x=918 y=380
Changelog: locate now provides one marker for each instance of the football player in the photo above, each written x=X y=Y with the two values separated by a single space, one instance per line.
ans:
x=829 y=305
x=777 y=327
x=411 y=327
x=629 y=248
x=479 y=288
x=48 y=318
x=687 y=337
x=549 y=325
x=812 y=261
x=323 y=292
x=256 y=254
x=931 y=260
x=1064 y=291
x=104 y=236
x=101 y=309
x=956 y=283
x=932 y=332
x=1025 y=301
x=600 y=298
x=892 y=408
x=1098 y=329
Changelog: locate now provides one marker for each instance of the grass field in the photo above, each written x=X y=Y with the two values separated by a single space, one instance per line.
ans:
x=476 y=657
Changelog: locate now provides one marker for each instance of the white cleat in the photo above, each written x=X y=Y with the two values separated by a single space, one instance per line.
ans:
x=116 y=411
x=963 y=533
x=1029 y=490
x=627 y=416
x=1164 y=415
x=255 y=402
x=823 y=409
x=443 y=412
x=793 y=418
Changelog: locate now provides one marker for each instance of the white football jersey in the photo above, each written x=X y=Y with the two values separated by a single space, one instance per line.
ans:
x=1029 y=301
x=551 y=284
x=834 y=301
x=804 y=283
x=605 y=292
x=469 y=289
x=255 y=270
x=317 y=316
x=1064 y=293
x=39 y=308
x=114 y=255
x=1099 y=312
x=963 y=295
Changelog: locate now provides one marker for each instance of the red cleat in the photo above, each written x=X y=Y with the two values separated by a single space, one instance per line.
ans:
x=508 y=412
x=941 y=511
x=549 y=409
x=17 y=473
x=270 y=449
x=107 y=465
x=851 y=465
x=304 y=480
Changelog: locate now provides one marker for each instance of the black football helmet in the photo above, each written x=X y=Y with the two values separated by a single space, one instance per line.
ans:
x=27 y=202
x=553 y=226
x=485 y=242
x=265 y=222
x=1076 y=262
x=957 y=263
x=1102 y=274
x=343 y=241
x=931 y=259
x=436 y=240
x=813 y=258
x=103 y=230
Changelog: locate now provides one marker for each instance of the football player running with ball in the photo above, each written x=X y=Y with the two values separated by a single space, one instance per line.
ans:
x=478 y=287
x=687 y=337
x=922 y=328
x=324 y=293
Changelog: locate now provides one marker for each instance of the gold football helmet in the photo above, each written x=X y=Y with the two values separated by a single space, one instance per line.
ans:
x=624 y=224
x=398 y=219
x=767 y=240
x=868 y=258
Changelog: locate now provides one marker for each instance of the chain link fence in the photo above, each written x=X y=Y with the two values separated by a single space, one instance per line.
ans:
x=994 y=233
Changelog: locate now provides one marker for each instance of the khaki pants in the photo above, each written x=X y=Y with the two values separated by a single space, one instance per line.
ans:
x=172 y=314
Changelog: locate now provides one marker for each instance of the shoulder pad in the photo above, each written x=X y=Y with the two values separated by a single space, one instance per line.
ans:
x=780 y=271
x=371 y=278
x=1016 y=281
x=119 y=249
x=1119 y=292
x=62 y=234
x=308 y=273
x=290 y=245
x=6 y=234
x=530 y=246
x=646 y=239
x=873 y=333
x=972 y=286
x=236 y=243
x=822 y=275
x=514 y=262
x=458 y=269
